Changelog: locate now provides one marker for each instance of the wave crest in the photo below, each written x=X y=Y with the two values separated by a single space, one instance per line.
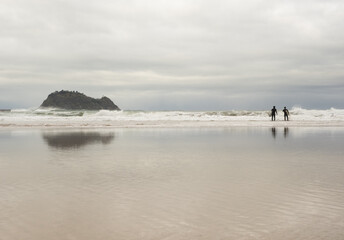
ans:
x=43 y=117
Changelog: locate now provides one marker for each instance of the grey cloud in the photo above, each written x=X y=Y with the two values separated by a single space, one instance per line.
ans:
x=205 y=49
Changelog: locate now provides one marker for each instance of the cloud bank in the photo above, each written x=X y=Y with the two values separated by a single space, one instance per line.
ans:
x=167 y=55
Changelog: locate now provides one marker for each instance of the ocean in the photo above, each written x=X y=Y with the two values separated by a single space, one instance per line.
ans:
x=171 y=175
x=104 y=118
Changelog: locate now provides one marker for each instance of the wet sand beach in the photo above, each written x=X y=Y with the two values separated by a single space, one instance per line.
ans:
x=172 y=183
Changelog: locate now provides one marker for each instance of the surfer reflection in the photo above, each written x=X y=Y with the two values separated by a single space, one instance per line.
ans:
x=286 y=132
x=273 y=131
x=74 y=140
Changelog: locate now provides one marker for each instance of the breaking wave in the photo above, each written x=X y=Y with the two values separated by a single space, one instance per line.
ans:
x=50 y=116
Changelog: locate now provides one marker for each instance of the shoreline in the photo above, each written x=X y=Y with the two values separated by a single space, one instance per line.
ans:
x=169 y=124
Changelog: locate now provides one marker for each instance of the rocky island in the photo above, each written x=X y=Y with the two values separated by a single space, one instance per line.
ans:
x=73 y=100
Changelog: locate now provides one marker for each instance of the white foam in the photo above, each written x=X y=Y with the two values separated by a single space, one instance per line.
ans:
x=67 y=118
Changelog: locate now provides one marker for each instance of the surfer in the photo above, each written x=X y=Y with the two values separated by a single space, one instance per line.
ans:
x=286 y=114
x=273 y=113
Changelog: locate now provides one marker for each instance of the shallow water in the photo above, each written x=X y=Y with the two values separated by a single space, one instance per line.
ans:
x=57 y=118
x=183 y=183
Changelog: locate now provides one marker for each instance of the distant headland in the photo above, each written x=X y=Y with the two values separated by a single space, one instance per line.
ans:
x=74 y=100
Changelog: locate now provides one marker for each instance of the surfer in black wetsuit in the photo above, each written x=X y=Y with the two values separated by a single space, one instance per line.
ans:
x=273 y=113
x=286 y=114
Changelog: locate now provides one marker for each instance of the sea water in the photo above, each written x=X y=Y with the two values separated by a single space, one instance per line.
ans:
x=172 y=183
x=104 y=118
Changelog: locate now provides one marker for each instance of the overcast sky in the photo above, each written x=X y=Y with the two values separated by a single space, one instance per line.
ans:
x=174 y=54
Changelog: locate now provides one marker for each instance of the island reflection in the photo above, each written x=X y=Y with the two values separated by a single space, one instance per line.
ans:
x=72 y=140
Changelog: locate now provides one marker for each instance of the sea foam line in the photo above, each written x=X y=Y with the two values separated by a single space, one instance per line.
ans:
x=104 y=118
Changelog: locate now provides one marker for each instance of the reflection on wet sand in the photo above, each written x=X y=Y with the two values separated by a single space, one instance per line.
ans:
x=286 y=132
x=171 y=183
x=66 y=140
x=274 y=132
